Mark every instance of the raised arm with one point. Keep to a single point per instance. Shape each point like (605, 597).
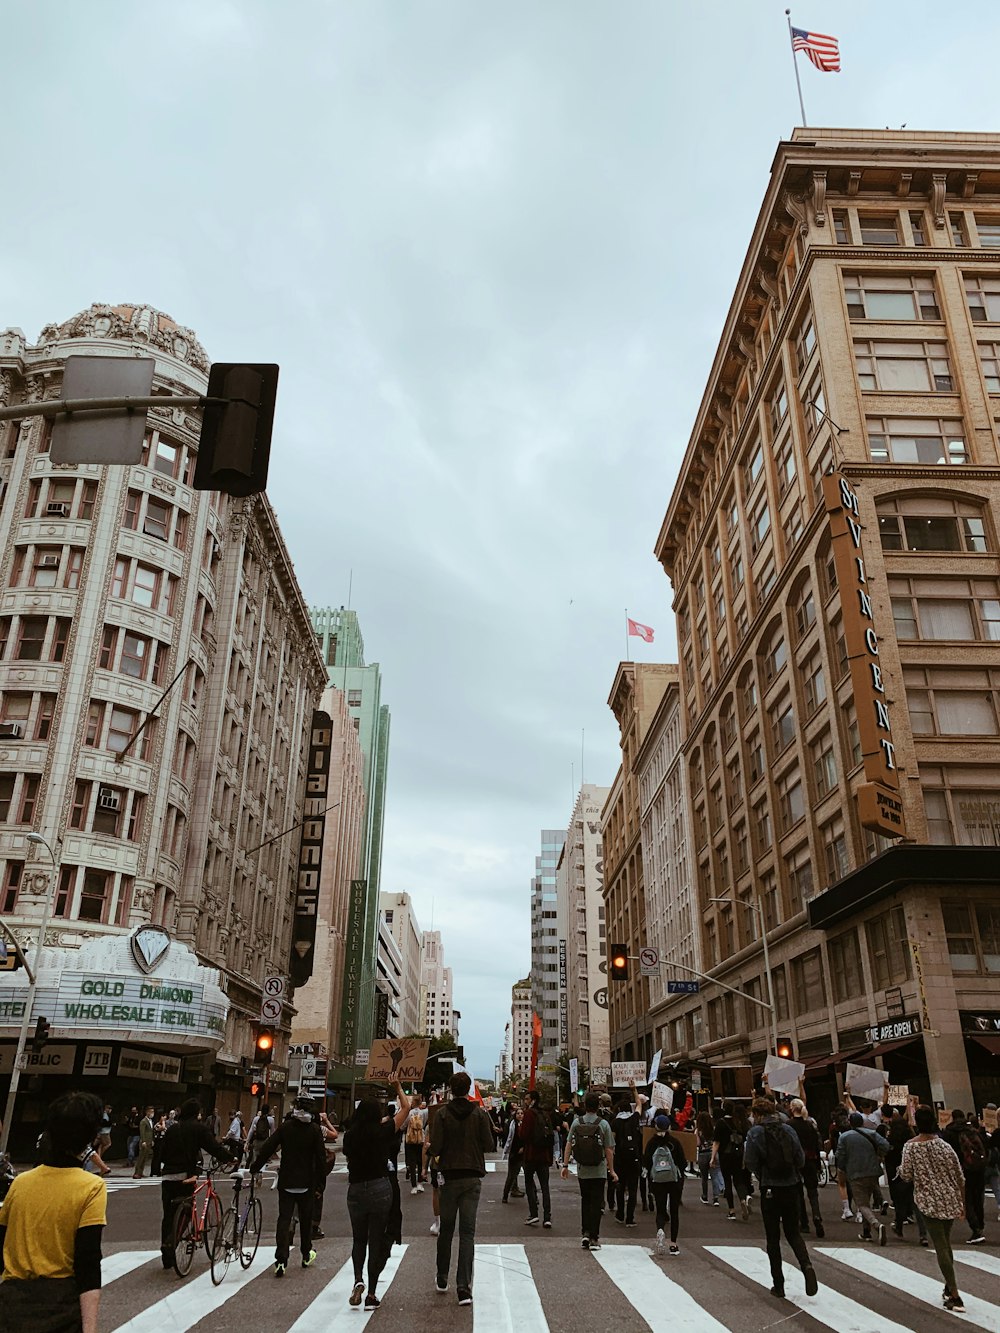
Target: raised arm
(402, 1106)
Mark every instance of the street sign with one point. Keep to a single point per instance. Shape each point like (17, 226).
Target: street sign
(683, 987)
(270, 1010)
(361, 1056)
(649, 962)
(274, 988)
(307, 1069)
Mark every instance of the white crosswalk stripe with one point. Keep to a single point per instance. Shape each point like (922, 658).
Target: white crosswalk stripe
(828, 1307)
(927, 1289)
(186, 1305)
(507, 1300)
(651, 1290)
(330, 1311)
(988, 1263)
(125, 1261)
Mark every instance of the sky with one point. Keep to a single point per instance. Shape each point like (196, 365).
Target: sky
(492, 248)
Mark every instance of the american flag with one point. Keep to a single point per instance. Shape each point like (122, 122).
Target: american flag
(824, 52)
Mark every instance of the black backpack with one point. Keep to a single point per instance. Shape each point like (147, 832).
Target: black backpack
(779, 1152)
(588, 1143)
(974, 1155)
(262, 1130)
(628, 1139)
(541, 1131)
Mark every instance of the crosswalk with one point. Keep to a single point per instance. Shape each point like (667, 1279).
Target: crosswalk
(711, 1288)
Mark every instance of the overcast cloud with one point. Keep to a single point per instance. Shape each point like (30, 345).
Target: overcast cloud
(491, 247)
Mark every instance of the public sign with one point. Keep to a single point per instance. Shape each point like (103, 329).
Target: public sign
(683, 987)
(393, 1058)
(361, 1056)
(649, 962)
(662, 1096)
(654, 1067)
(897, 1094)
(783, 1075)
(271, 1010)
(624, 1072)
(274, 988)
(864, 1081)
(574, 1075)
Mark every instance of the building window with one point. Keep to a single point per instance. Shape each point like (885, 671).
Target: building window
(988, 231)
(983, 296)
(778, 408)
(845, 967)
(956, 223)
(785, 464)
(888, 949)
(973, 933)
(903, 367)
(30, 638)
(824, 765)
(799, 871)
(841, 227)
(953, 531)
(760, 525)
(807, 980)
(879, 228)
(791, 799)
(753, 467)
(886, 298)
(773, 662)
(805, 342)
(916, 440)
(354, 698)
(835, 849)
(805, 610)
(813, 682)
(942, 608)
(13, 872)
(762, 826)
(94, 895)
(917, 229)
(755, 758)
(968, 816)
(946, 701)
(782, 723)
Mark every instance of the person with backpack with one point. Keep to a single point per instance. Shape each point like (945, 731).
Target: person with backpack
(727, 1156)
(972, 1151)
(859, 1156)
(627, 1130)
(460, 1139)
(592, 1145)
(808, 1136)
(413, 1144)
(261, 1129)
(939, 1189)
(664, 1164)
(774, 1154)
(536, 1138)
(840, 1123)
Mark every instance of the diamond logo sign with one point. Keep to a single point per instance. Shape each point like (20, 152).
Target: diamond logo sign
(149, 944)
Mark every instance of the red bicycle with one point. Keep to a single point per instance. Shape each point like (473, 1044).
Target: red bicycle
(197, 1221)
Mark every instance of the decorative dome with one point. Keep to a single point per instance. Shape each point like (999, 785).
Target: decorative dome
(133, 323)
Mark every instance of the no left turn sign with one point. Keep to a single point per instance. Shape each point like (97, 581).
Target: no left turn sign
(649, 962)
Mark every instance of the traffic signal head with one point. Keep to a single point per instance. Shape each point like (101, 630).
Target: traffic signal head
(264, 1049)
(784, 1048)
(256, 1089)
(42, 1028)
(619, 963)
(235, 441)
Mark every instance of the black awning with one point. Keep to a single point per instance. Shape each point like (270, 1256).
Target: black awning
(895, 869)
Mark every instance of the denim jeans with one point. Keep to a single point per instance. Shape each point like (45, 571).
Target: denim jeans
(368, 1203)
(459, 1200)
(710, 1173)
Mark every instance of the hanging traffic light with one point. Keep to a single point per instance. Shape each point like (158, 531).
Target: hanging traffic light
(264, 1048)
(619, 962)
(235, 439)
(784, 1048)
(42, 1029)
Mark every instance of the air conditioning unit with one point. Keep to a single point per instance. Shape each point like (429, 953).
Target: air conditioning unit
(108, 799)
(47, 562)
(58, 509)
(11, 731)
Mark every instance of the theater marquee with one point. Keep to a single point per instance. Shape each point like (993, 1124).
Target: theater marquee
(880, 806)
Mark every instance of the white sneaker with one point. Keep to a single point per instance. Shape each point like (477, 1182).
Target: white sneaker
(846, 1214)
(435, 1226)
(419, 1189)
(660, 1242)
(414, 1190)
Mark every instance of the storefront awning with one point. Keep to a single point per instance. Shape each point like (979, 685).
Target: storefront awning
(887, 1047)
(989, 1040)
(823, 1062)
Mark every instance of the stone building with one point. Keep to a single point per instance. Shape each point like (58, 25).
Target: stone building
(125, 593)
(583, 942)
(840, 668)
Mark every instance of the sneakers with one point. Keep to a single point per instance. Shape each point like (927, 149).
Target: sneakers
(357, 1291)
(441, 1284)
(595, 1244)
(547, 1223)
(631, 1224)
(749, 1203)
(704, 1200)
(584, 1243)
(435, 1226)
(744, 1209)
(279, 1270)
(372, 1302)
(885, 1207)
(881, 1233)
(820, 1233)
(732, 1216)
(532, 1221)
(414, 1190)
(864, 1235)
(846, 1214)
(309, 1259)
(319, 1233)
(675, 1249)
(976, 1240)
(420, 1189)
(660, 1241)
(812, 1286)
(715, 1203)
(954, 1303)
(464, 1296)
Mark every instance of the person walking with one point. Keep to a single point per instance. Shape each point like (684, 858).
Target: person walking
(51, 1223)
(536, 1140)
(330, 1135)
(301, 1172)
(808, 1136)
(144, 1156)
(592, 1145)
(627, 1130)
(859, 1156)
(664, 1164)
(728, 1140)
(413, 1144)
(513, 1151)
(370, 1142)
(460, 1139)
(972, 1151)
(132, 1130)
(705, 1133)
(259, 1131)
(939, 1187)
(774, 1154)
(180, 1152)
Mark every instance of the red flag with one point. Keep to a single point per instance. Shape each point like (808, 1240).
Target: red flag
(536, 1036)
(643, 632)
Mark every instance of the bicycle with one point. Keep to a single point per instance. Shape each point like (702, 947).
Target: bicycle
(197, 1223)
(239, 1229)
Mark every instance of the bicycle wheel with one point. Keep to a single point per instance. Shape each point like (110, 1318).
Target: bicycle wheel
(184, 1239)
(824, 1172)
(223, 1247)
(212, 1224)
(250, 1233)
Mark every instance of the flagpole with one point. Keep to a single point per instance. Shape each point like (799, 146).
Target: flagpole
(625, 658)
(798, 81)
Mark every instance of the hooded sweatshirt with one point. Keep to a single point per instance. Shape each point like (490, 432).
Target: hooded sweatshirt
(628, 1139)
(303, 1156)
(461, 1137)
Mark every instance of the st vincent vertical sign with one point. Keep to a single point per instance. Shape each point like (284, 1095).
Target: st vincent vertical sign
(300, 963)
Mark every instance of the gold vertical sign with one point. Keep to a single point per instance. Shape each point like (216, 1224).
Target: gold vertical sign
(879, 804)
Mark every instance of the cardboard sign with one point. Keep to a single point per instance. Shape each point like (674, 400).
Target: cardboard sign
(392, 1058)
(989, 1119)
(866, 1082)
(663, 1096)
(897, 1094)
(624, 1072)
(783, 1075)
(944, 1118)
(685, 1137)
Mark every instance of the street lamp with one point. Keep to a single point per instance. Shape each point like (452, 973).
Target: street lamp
(22, 1041)
(757, 910)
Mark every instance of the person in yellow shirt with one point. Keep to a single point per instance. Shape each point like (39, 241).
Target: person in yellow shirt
(50, 1229)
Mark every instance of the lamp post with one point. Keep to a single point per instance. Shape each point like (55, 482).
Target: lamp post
(757, 910)
(22, 1041)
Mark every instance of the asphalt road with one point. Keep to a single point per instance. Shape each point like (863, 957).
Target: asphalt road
(528, 1280)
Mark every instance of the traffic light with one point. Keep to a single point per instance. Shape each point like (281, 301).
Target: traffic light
(41, 1036)
(619, 962)
(784, 1048)
(264, 1049)
(256, 1089)
(235, 442)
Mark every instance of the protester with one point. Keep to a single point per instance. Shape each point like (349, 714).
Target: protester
(993, 1168)
(774, 1154)
(627, 1130)
(513, 1151)
(536, 1141)
(728, 1140)
(664, 1163)
(180, 1151)
(859, 1156)
(460, 1138)
(330, 1135)
(939, 1189)
(432, 1174)
(808, 1136)
(705, 1132)
(369, 1141)
(592, 1145)
(301, 1173)
(50, 1229)
(972, 1151)
(897, 1134)
(413, 1144)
